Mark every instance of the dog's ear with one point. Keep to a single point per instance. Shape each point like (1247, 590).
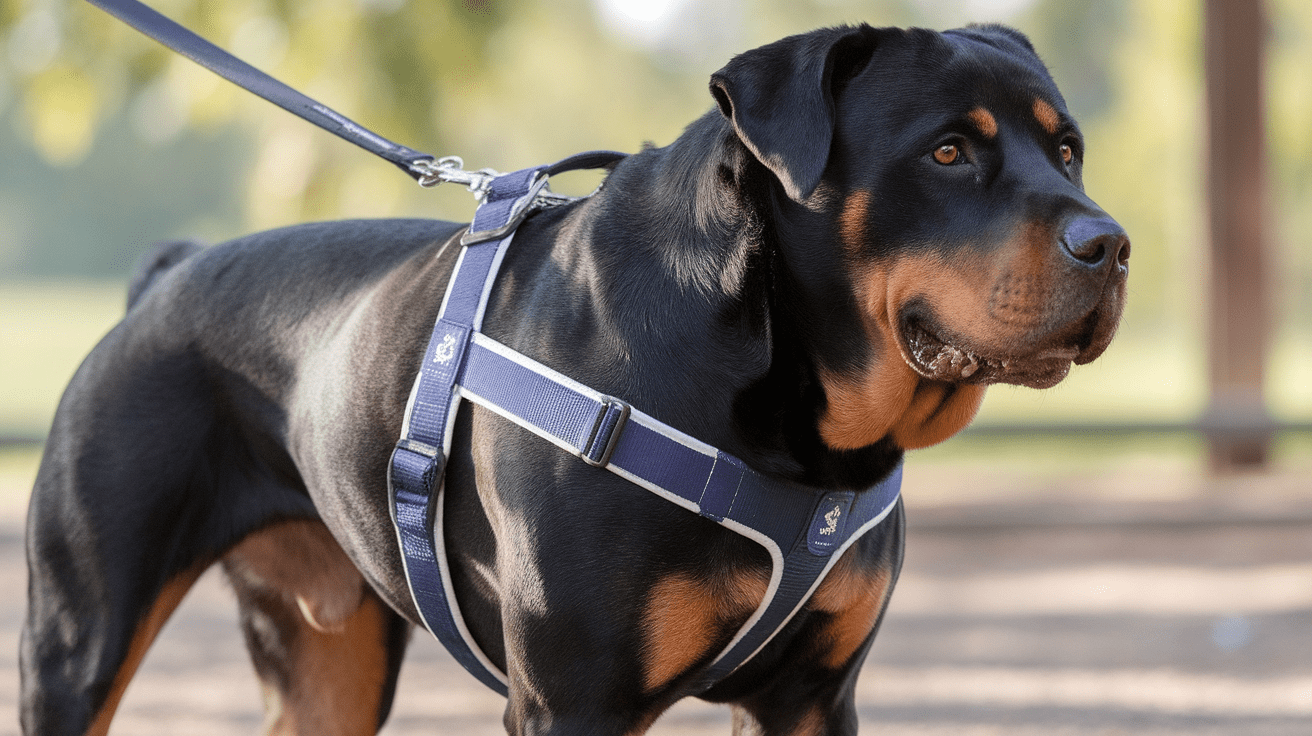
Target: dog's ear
(1007, 40)
(780, 99)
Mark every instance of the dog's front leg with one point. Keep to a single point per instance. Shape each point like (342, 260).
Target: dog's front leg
(823, 657)
(568, 685)
(828, 709)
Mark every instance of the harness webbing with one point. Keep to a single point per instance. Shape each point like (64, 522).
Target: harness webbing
(805, 530)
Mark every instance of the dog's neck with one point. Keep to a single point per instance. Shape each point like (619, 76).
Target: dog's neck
(711, 220)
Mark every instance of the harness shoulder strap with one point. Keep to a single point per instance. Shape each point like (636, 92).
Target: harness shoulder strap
(804, 530)
(415, 474)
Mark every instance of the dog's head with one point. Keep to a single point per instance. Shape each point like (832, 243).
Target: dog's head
(929, 205)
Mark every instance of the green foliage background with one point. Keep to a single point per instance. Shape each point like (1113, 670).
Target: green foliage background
(108, 142)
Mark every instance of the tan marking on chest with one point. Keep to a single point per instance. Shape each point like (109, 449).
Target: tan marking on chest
(686, 614)
(863, 408)
(854, 596)
(984, 120)
(1046, 115)
(937, 411)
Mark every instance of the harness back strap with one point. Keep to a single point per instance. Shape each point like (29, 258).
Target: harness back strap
(805, 530)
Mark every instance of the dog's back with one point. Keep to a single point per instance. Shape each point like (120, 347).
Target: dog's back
(821, 274)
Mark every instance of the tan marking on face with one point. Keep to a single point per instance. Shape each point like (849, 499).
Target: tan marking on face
(852, 221)
(889, 396)
(938, 411)
(147, 629)
(984, 120)
(855, 596)
(1046, 116)
(998, 303)
(301, 559)
(1021, 296)
(685, 614)
(337, 677)
(862, 409)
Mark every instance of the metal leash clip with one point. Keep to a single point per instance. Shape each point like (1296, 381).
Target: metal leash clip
(450, 170)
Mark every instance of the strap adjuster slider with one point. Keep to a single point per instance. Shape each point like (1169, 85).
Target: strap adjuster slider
(605, 432)
(417, 447)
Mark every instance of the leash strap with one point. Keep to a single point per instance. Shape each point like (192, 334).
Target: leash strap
(174, 36)
(805, 530)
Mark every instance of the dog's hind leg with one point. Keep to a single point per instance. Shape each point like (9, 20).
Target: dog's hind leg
(71, 697)
(326, 649)
(112, 535)
(142, 485)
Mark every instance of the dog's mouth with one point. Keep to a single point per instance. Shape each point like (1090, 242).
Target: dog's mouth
(932, 353)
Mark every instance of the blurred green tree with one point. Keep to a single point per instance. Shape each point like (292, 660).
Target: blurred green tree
(109, 141)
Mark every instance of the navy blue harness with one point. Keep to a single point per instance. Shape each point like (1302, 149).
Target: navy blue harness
(805, 530)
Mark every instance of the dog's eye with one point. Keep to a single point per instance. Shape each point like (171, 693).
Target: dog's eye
(1067, 153)
(947, 154)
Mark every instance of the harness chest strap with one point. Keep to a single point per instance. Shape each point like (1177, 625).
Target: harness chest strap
(804, 530)
(460, 362)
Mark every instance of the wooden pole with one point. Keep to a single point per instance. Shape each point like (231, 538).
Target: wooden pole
(1239, 327)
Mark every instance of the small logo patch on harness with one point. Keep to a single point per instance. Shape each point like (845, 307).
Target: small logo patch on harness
(829, 523)
(832, 519)
(446, 350)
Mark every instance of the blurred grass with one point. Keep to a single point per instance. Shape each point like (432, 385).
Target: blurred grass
(46, 329)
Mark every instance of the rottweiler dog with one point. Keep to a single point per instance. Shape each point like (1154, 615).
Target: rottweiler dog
(827, 269)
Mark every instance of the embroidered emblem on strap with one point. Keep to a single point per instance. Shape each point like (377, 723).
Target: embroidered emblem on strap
(832, 519)
(463, 364)
(829, 522)
(446, 350)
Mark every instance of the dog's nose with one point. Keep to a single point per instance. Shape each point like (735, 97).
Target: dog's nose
(1095, 241)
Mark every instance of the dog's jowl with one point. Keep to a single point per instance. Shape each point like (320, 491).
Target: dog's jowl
(868, 228)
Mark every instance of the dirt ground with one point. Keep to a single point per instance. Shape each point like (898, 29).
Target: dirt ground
(1162, 603)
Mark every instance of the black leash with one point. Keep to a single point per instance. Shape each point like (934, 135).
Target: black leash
(421, 166)
(427, 169)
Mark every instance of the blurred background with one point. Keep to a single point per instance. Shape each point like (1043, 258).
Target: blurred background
(1103, 486)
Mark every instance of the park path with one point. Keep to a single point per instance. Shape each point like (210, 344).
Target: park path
(1181, 613)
